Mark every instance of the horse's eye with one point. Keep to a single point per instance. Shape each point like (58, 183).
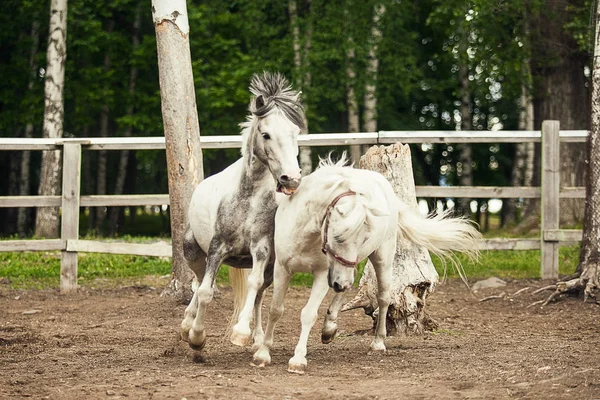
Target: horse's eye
(266, 136)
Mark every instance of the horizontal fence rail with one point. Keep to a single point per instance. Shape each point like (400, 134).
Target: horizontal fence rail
(550, 136)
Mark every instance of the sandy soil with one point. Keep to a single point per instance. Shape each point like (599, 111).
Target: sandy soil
(123, 343)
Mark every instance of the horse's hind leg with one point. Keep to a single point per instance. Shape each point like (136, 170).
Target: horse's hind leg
(258, 336)
(382, 260)
(217, 252)
(196, 261)
(330, 325)
(261, 253)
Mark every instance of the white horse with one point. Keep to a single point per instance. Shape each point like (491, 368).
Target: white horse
(338, 217)
(232, 213)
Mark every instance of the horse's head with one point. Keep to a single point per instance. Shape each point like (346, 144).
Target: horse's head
(277, 119)
(346, 229)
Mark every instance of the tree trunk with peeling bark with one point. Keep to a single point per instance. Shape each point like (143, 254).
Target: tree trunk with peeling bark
(587, 276)
(351, 103)
(182, 131)
(303, 76)
(414, 276)
(47, 221)
(370, 98)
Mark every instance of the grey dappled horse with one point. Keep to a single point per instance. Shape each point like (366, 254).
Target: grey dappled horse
(232, 213)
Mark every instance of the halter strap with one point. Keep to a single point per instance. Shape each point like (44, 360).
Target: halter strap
(326, 249)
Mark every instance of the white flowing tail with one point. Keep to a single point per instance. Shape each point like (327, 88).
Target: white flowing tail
(441, 234)
(238, 278)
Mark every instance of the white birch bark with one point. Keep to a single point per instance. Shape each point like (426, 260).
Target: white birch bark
(182, 131)
(351, 102)
(414, 276)
(370, 98)
(303, 77)
(47, 220)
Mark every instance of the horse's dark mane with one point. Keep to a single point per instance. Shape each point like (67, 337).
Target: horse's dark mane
(276, 92)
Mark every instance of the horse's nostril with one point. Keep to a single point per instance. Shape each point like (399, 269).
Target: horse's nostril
(337, 287)
(284, 178)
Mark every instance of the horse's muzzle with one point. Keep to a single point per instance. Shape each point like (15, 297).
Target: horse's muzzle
(288, 184)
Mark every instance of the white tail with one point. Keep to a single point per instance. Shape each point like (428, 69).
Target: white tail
(238, 279)
(441, 234)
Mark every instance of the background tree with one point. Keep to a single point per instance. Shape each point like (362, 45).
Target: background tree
(182, 132)
(47, 223)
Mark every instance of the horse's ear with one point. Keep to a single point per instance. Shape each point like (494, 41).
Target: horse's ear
(259, 102)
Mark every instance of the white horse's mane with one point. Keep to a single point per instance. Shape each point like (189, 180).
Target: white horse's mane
(275, 93)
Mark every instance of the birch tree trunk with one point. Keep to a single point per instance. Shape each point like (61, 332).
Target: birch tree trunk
(522, 172)
(182, 131)
(303, 77)
(124, 155)
(370, 99)
(465, 170)
(587, 278)
(414, 276)
(352, 104)
(47, 221)
(23, 214)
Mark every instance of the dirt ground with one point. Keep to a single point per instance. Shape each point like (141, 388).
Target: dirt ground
(123, 343)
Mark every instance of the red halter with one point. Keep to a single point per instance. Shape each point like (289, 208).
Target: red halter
(326, 249)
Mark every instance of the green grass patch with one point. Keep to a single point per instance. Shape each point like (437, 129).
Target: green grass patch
(38, 270)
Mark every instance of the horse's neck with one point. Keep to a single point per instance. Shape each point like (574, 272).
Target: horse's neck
(256, 176)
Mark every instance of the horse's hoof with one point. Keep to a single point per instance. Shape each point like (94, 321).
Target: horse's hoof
(196, 339)
(297, 366)
(327, 337)
(377, 347)
(262, 357)
(240, 339)
(297, 369)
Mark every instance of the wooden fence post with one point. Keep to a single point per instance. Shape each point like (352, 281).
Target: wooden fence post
(70, 213)
(550, 197)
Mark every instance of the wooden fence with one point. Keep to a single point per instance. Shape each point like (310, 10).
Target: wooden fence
(70, 202)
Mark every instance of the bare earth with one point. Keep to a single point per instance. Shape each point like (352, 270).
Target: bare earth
(124, 343)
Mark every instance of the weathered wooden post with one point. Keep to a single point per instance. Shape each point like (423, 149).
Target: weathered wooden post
(414, 275)
(182, 131)
(550, 197)
(71, 182)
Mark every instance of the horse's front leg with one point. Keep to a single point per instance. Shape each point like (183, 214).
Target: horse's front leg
(196, 261)
(204, 294)
(261, 253)
(297, 364)
(281, 281)
(330, 325)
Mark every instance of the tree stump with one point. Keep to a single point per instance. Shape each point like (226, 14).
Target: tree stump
(414, 276)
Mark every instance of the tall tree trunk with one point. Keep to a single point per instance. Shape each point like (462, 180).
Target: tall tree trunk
(351, 102)
(370, 99)
(124, 156)
(523, 165)
(588, 271)
(465, 170)
(47, 222)
(103, 154)
(22, 217)
(561, 93)
(303, 76)
(182, 131)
